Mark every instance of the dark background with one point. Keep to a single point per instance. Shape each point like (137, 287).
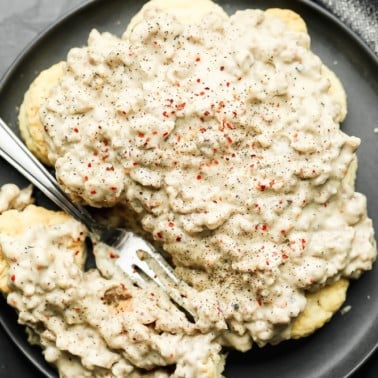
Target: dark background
(22, 20)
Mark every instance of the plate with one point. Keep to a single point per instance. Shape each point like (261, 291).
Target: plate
(345, 343)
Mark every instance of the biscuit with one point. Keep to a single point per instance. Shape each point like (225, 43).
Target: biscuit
(322, 304)
(14, 222)
(187, 12)
(30, 124)
(296, 23)
(320, 307)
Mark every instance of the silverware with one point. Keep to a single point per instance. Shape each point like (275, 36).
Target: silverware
(130, 247)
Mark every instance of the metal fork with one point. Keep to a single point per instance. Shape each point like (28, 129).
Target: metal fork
(125, 243)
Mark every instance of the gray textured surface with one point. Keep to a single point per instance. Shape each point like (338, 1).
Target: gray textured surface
(360, 15)
(22, 20)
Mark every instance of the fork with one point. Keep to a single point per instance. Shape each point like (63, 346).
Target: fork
(125, 243)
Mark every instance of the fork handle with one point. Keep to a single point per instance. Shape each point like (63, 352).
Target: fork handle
(16, 153)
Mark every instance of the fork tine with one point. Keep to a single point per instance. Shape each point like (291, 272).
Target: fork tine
(163, 265)
(132, 264)
(135, 243)
(124, 263)
(146, 269)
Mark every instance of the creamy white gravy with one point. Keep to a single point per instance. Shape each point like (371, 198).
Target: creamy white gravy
(222, 140)
(93, 325)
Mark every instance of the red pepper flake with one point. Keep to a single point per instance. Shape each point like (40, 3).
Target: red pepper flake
(76, 130)
(113, 188)
(159, 235)
(77, 252)
(311, 280)
(229, 139)
(13, 259)
(156, 43)
(147, 141)
(95, 153)
(178, 239)
(38, 267)
(203, 129)
(198, 80)
(206, 113)
(264, 227)
(259, 301)
(141, 135)
(113, 255)
(171, 224)
(239, 78)
(13, 277)
(202, 93)
(199, 177)
(89, 165)
(234, 113)
(303, 243)
(261, 187)
(165, 114)
(135, 163)
(165, 135)
(221, 68)
(285, 256)
(198, 59)
(178, 138)
(283, 232)
(77, 309)
(181, 106)
(93, 191)
(207, 88)
(154, 132)
(228, 84)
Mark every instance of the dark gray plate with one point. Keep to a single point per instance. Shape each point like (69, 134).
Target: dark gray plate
(342, 345)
